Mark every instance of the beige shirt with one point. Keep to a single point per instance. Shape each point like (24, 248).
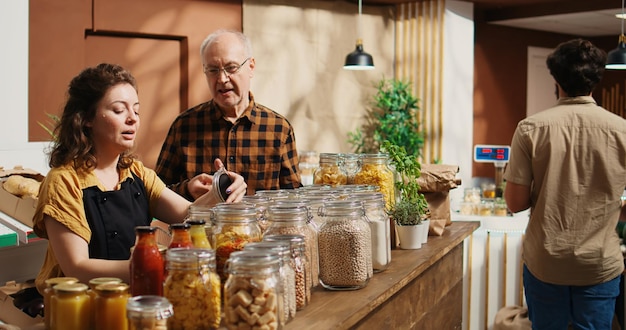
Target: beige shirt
(573, 156)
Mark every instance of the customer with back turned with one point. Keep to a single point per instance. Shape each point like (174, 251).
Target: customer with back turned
(252, 139)
(96, 193)
(568, 165)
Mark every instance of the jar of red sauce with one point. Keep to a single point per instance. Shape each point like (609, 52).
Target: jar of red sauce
(181, 236)
(146, 264)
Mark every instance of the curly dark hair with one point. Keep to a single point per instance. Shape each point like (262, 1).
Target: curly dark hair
(74, 140)
(577, 66)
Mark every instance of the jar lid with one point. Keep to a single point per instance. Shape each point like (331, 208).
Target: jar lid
(190, 255)
(149, 306)
(221, 182)
(145, 229)
(281, 247)
(182, 225)
(71, 287)
(234, 209)
(58, 280)
(103, 280)
(196, 222)
(112, 288)
(259, 259)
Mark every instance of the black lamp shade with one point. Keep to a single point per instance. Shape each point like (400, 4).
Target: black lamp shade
(359, 60)
(616, 59)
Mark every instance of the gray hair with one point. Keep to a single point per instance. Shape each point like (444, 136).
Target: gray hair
(245, 41)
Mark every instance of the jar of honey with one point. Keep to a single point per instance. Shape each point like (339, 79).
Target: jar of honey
(71, 306)
(109, 306)
(47, 294)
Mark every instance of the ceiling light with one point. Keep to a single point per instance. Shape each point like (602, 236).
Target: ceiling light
(616, 59)
(358, 59)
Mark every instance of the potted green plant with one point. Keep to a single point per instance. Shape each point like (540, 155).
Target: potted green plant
(411, 207)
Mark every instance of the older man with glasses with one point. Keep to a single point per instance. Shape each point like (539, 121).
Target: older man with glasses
(250, 138)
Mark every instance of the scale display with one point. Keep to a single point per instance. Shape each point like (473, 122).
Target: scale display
(484, 153)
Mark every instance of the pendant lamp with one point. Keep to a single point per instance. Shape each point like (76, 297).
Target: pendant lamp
(358, 59)
(616, 59)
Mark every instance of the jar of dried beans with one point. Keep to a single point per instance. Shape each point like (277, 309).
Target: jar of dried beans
(375, 170)
(235, 225)
(193, 288)
(296, 220)
(330, 172)
(252, 291)
(287, 275)
(300, 265)
(345, 246)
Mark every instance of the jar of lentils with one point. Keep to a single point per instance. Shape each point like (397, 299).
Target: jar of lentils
(345, 246)
(295, 220)
(252, 291)
(148, 312)
(287, 274)
(235, 226)
(375, 170)
(330, 171)
(193, 288)
(300, 265)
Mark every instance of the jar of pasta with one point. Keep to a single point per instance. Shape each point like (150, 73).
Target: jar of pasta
(295, 220)
(375, 171)
(109, 306)
(345, 246)
(148, 312)
(300, 265)
(287, 274)
(193, 288)
(330, 171)
(235, 226)
(252, 291)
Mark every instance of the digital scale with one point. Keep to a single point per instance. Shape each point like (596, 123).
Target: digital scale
(496, 154)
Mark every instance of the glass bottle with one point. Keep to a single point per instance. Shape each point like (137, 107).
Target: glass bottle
(380, 226)
(375, 170)
(198, 234)
(235, 226)
(181, 237)
(330, 171)
(146, 264)
(148, 312)
(47, 294)
(253, 280)
(71, 306)
(281, 249)
(110, 306)
(345, 246)
(300, 265)
(295, 220)
(201, 213)
(193, 288)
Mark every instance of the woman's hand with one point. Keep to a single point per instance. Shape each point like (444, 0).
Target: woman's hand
(202, 185)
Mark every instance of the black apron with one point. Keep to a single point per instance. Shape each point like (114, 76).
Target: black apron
(112, 217)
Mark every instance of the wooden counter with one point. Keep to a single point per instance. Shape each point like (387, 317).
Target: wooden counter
(421, 289)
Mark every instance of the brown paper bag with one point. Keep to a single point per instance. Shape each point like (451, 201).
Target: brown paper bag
(435, 182)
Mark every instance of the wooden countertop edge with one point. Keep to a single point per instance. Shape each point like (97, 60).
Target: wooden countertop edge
(343, 309)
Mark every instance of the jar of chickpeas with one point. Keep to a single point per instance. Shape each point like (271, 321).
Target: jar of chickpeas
(252, 291)
(330, 172)
(148, 312)
(193, 288)
(375, 171)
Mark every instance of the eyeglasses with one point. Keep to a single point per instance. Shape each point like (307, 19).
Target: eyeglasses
(228, 70)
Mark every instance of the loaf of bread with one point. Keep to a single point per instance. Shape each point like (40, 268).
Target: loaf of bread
(22, 186)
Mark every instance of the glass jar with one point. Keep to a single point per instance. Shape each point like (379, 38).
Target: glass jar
(330, 171)
(300, 265)
(201, 213)
(274, 194)
(261, 203)
(345, 246)
(235, 226)
(109, 306)
(287, 274)
(351, 164)
(193, 288)
(181, 238)
(198, 234)
(472, 195)
(71, 306)
(378, 219)
(146, 264)
(48, 292)
(148, 312)
(499, 207)
(295, 220)
(252, 291)
(308, 161)
(375, 170)
(485, 208)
